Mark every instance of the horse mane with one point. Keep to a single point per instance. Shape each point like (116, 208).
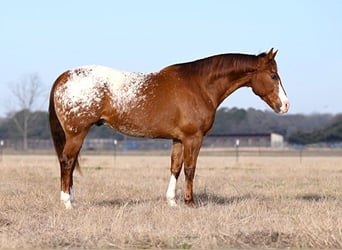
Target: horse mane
(218, 65)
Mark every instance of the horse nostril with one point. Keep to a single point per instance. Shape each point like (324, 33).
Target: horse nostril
(287, 105)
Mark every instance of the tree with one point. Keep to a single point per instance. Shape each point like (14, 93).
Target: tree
(26, 92)
(331, 133)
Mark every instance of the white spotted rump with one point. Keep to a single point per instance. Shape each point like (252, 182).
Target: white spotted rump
(87, 86)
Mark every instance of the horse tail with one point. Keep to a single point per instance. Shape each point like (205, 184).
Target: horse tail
(57, 131)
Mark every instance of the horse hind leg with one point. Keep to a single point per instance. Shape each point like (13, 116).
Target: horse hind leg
(176, 166)
(68, 163)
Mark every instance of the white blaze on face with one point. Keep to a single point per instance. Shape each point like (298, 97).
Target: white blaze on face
(171, 192)
(284, 100)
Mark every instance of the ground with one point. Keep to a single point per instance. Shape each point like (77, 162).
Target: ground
(259, 201)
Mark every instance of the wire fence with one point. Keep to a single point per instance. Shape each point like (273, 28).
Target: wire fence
(163, 147)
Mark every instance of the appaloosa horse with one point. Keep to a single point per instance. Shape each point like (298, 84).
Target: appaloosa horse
(179, 103)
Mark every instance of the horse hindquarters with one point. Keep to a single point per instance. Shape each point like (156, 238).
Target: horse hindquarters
(59, 141)
(67, 148)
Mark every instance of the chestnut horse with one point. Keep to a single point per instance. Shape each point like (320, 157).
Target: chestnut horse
(179, 103)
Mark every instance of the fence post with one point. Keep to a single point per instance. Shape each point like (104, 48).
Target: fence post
(300, 149)
(2, 143)
(115, 142)
(237, 144)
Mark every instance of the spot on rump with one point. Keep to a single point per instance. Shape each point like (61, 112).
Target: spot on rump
(87, 86)
(126, 93)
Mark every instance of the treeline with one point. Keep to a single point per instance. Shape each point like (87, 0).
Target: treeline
(297, 128)
(331, 133)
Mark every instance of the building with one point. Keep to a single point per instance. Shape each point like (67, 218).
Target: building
(244, 140)
(210, 141)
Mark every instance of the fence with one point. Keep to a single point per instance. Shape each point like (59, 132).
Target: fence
(159, 146)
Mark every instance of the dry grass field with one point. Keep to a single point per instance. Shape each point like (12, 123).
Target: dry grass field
(259, 202)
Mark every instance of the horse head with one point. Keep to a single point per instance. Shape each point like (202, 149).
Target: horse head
(266, 83)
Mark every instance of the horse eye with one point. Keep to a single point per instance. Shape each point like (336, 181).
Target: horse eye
(274, 77)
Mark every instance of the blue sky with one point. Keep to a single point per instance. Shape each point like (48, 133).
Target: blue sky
(48, 37)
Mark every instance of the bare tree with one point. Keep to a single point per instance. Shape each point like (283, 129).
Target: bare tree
(26, 92)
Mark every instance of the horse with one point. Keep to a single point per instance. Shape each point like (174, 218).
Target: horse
(179, 103)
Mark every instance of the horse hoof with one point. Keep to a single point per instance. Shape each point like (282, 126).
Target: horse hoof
(191, 204)
(172, 202)
(68, 200)
(68, 205)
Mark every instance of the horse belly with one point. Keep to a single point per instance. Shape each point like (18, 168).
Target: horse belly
(132, 123)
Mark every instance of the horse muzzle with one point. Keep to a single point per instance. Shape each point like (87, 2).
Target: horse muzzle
(282, 107)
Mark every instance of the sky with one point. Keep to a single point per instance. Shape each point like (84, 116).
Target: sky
(48, 37)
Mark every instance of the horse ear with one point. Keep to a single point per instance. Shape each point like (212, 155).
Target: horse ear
(271, 55)
(268, 57)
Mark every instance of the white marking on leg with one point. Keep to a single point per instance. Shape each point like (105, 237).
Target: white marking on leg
(65, 198)
(171, 192)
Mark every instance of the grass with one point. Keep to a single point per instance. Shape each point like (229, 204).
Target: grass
(268, 202)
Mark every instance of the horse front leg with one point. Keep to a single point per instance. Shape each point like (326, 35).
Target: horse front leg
(192, 147)
(176, 166)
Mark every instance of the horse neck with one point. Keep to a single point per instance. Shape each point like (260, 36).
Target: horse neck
(221, 75)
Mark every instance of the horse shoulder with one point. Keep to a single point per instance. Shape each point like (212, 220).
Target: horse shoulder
(194, 110)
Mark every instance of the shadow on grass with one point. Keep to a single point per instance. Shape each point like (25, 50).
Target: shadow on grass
(201, 199)
(315, 197)
(123, 202)
(204, 199)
